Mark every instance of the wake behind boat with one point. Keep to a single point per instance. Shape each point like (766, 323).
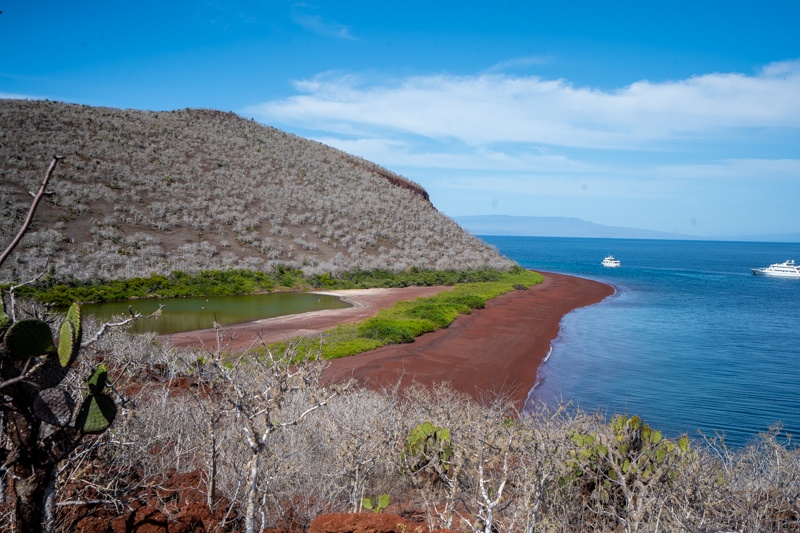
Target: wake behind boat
(611, 262)
(787, 269)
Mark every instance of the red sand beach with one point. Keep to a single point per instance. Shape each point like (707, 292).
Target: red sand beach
(492, 350)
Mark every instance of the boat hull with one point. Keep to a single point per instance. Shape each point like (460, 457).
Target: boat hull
(610, 262)
(787, 269)
(773, 274)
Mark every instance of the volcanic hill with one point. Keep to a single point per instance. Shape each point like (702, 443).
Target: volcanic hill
(142, 192)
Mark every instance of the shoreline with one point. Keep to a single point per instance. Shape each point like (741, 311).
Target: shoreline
(494, 350)
(239, 337)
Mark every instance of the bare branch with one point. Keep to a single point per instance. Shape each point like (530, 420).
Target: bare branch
(31, 211)
(106, 325)
(24, 375)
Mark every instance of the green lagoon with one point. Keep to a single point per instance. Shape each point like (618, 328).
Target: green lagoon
(189, 314)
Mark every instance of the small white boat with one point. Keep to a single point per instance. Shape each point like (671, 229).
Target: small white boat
(787, 269)
(611, 262)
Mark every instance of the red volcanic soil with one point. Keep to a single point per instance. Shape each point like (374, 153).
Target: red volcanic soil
(493, 350)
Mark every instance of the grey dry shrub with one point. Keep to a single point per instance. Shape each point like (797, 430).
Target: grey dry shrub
(150, 192)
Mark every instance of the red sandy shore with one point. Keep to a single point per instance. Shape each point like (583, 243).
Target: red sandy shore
(492, 350)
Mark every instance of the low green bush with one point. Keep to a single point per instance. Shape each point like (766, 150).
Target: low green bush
(350, 347)
(280, 277)
(441, 315)
(463, 301)
(394, 330)
(409, 319)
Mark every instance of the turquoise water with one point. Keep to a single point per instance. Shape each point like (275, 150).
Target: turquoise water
(690, 341)
(190, 314)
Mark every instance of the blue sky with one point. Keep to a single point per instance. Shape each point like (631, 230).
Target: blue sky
(672, 116)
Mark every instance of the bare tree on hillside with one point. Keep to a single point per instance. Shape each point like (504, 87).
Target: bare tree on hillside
(263, 394)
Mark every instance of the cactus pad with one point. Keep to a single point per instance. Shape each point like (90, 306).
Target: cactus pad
(54, 406)
(97, 383)
(97, 413)
(427, 442)
(69, 341)
(50, 374)
(29, 338)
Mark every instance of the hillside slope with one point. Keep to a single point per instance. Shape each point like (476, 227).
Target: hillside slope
(140, 192)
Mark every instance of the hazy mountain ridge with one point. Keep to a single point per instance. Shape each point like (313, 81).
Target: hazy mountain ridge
(574, 227)
(140, 192)
(554, 227)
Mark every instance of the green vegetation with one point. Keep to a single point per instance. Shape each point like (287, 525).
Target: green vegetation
(411, 277)
(240, 281)
(409, 319)
(616, 471)
(375, 503)
(206, 283)
(427, 446)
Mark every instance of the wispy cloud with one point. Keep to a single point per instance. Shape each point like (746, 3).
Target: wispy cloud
(491, 108)
(402, 153)
(651, 154)
(519, 63)
(302, 14)
(14, 96)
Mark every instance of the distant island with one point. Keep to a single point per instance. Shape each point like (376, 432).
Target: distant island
(532, 226)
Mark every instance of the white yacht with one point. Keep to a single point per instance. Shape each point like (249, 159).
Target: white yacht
(611, 262)
(787, 269)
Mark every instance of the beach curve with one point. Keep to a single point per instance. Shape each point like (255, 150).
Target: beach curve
(493, 350)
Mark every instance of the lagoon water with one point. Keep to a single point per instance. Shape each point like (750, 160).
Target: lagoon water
(189, 314)
(690, 341)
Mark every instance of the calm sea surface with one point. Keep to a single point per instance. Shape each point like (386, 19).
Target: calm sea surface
(691, 340)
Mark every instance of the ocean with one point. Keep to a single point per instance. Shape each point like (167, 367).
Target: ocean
(691, 341)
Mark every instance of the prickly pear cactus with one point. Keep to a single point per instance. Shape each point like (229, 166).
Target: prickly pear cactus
(98, 409)
(633, 454)
(28, 346)
(29, 338)
(96, 414)
(376, 504)
(69, 340)
(427, 444)
(41, 425)
(54, 406)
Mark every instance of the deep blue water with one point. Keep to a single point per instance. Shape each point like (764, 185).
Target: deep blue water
(690, 341)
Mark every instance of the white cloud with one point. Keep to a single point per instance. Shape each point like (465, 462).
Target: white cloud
(493, 108)
(14, 96)
(718, 147)
(394, 152)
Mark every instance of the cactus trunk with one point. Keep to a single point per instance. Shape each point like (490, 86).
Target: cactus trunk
(33, 474)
